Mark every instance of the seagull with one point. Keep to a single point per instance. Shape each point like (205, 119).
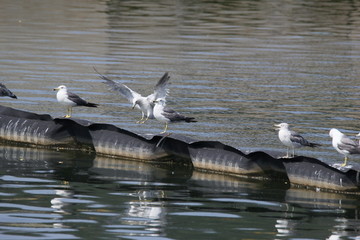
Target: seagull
(71, 100)
(292, 139)
(357, 136)
(166, 115)
(145, 104)
(5, 92)
(343, 144)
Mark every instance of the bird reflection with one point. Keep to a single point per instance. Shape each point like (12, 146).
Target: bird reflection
(58, 203)
(345, 228)
(148, 211)
(285, 227)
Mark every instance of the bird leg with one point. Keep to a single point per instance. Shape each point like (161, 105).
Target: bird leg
(142, 117)
(166, 127)
(68, 115)
(147, 118)
(345, 160)
(165, 136)
(287, 153)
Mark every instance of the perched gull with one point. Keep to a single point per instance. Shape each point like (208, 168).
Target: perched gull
(357, 136)
(292, 139)
(343, 144)
(166, 115)
(145, 104)
(4, 92)
(70, 99)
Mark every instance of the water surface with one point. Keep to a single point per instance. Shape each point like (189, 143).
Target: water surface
(238, 67)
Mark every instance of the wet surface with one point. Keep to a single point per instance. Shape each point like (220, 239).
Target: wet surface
(238, 67)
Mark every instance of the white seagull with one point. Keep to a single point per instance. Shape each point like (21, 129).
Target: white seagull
(166, 115)
(5, 92)
(292, 139)
(145, 104)
(357, 136)
(343, 144)
(71, 100)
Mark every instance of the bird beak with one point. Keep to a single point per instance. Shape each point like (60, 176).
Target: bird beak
(55, 89)
(133, 106)
(277, 126)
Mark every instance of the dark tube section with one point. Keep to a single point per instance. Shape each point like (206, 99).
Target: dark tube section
(29, 129)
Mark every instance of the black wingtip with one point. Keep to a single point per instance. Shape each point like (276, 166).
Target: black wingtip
(314, 145)
(96, 70)
(163, 79)
(89, 104)
(190, 119)
(102, 76)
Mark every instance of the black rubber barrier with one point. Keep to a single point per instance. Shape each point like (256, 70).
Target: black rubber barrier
(30, 129)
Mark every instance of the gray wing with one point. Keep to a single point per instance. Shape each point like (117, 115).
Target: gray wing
(349, 145)
(76, 99)
(297, 138)
(160, 90)
(172, 115)
(121, 88)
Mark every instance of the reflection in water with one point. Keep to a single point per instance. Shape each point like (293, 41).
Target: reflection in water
(344, 227)
(320, 200)
(58, 203)
(285, 227)
(149, 212)
(127, 198)
(237, 66)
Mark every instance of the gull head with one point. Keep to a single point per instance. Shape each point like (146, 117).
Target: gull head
(357, 136)
(61, 87)
(139, 102)
(281, 126)
(334, 133)
(160, 101)
(135, 103)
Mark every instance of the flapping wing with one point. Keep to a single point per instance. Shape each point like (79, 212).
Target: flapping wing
(160, 90)
(121, 88)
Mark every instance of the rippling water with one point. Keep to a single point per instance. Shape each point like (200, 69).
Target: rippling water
(238, 67)
(57, 195)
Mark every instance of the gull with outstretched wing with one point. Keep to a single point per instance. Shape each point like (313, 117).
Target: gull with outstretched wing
(145, 104)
